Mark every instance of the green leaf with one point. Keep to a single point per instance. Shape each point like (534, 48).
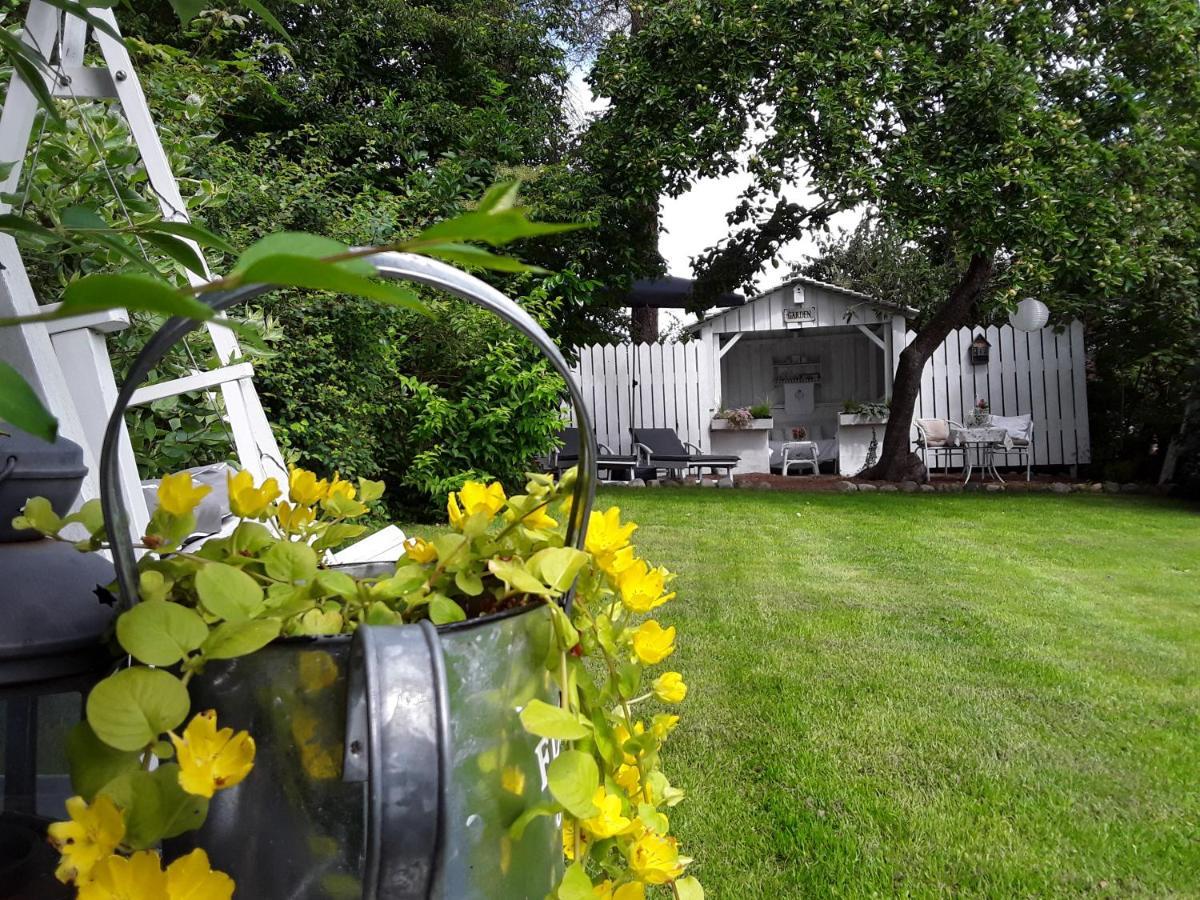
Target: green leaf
(30, 66)
(228, 592)
(575, 884)
(159, 633)
(189, 231)
(517, 829)
(93, 763)
(450, 553)
(17, 225)
(90, 516)
(180, 251)
(134, 292)
(131, 708)
(250, 537)
(22, 408)
(443, 610)
(155, 805)
(558, 566)
(540, 718)
(265, 14)
(38, 514)
(516, 577)
(300, 244)
(688, 889)
(188, 9)
(500, 196)
(573, 778)
(330, 581)
(494, 227)
(153, 587)
(318, 275)
(232, 639)
(84, 218)
(567, 633)
(291, 562)
(468, 582)
(478, 258)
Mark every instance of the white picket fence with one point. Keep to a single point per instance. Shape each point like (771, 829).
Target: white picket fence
(1040, 373)
(671, 386)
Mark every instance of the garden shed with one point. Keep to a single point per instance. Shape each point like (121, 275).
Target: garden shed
(807, 349)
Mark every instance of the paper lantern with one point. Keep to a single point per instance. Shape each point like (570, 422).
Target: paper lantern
(1030, 315)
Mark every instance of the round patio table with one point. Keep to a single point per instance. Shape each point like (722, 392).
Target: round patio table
(982, 442)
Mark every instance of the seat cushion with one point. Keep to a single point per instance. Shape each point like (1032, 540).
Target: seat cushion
(937, 431)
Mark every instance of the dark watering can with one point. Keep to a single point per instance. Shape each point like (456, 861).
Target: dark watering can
(390, 763)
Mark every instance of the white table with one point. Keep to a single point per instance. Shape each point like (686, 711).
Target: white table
(982, 441)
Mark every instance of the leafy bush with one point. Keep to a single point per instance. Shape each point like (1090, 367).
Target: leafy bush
(761, 411)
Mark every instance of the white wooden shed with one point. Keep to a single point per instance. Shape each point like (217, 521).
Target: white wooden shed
(805, 348)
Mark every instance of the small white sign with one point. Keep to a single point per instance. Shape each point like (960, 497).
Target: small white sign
(799, 316)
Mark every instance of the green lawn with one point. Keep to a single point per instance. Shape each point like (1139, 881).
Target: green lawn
(958, 695)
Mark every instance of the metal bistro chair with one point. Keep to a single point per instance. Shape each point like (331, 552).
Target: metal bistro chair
(1020, 440)
(933, 437)
(802, 454)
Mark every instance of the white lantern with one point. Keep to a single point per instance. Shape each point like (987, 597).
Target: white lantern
(1030, 315)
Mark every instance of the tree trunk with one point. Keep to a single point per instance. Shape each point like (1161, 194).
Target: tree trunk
(643, 325)
(897, 462)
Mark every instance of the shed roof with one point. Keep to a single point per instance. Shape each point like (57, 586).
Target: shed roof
(895, 308)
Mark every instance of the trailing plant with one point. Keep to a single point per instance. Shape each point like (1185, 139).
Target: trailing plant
(873, 409)
(738, 418)
(236, 594)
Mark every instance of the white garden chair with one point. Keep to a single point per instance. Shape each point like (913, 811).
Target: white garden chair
(803, 454)
(1020, 440)
(933, 438)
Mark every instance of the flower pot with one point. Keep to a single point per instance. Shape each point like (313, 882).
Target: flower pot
(389, 763)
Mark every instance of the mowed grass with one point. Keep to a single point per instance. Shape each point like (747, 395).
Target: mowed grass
(960, 695)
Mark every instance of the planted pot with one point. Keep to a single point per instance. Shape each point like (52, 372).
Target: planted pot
(389, 763)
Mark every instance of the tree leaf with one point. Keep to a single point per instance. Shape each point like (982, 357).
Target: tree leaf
(131, 708)
(540, 718)
(93, 763)
(160, 633)
(300, 244)
(232, 639)
(18, 225)
(265, 14)
(135, 292)
(180, 251)
(496, 228)
(189, 231)
(500, 196)
(477, 257)
(228, 592)
(20, 406)
(573, 778)
(30, 66)
(318, 275)
(188, 9)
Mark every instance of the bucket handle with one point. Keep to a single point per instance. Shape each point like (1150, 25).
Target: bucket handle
(390, 265)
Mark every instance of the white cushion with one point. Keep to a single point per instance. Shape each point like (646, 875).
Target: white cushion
(937, 431)
(1018, 427)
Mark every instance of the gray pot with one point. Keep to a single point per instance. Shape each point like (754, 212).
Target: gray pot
(32, 467)
(391, 764)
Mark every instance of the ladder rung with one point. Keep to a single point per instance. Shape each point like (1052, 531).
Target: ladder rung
(188, 383)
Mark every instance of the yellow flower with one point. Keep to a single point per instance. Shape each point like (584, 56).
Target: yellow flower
(91, 834)
(246, 500)
(632, 890)
(340, 487)
(629, 778)
(178, 496)
(606, 536)
(210, 760)
(609, 820)
(652, 643)
(539, 520)
(512, 779)
(473, 498)
(192, 878)
(642, 588)
(662, 725)
(339, 498)
(655, 858)
(304, 488)
(294, 518)
(420, 550)
(139, 877)
(669, 687)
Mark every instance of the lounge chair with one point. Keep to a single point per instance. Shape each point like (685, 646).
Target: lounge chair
(567, 456)
(660, 448)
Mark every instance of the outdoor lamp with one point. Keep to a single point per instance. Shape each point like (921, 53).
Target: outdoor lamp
(1030, 315)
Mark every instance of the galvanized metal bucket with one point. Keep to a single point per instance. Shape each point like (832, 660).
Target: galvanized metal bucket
(391, 763)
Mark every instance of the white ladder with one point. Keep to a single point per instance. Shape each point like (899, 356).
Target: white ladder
(67, 361)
